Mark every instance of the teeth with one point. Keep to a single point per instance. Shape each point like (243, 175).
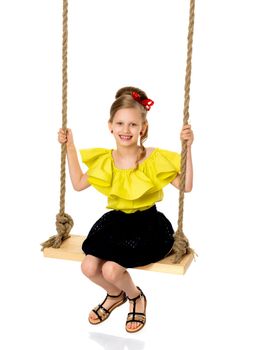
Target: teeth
(125, 137)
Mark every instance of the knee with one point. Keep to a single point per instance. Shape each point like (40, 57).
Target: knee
(112, 271)
(89, 267)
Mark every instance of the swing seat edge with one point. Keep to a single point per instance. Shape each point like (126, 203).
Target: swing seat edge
(70, 249)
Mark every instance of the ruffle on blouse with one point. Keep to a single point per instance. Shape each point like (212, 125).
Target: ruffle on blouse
(100, 168)
(154, 173)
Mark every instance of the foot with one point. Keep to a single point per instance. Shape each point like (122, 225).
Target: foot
(101, 312)
(137, 312)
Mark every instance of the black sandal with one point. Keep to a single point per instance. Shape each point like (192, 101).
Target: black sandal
(102, 313)
(134, 316)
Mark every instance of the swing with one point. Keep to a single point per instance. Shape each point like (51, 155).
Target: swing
(70, 245)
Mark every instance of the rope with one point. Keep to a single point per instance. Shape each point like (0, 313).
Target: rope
(181, 244)
(64, 221)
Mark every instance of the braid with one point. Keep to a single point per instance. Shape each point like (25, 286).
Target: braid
(142, 150)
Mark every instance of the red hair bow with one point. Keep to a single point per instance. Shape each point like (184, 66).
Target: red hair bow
(147, 103)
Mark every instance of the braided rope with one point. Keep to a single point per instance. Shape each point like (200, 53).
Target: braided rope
(64, 221)
(181, 244)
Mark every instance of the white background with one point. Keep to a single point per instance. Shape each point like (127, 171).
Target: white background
(218, 304)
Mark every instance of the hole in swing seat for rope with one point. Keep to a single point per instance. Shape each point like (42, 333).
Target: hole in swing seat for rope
(71, 250)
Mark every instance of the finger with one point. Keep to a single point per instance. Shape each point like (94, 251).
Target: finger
(62, 137)
(187, 137)
(186, 132)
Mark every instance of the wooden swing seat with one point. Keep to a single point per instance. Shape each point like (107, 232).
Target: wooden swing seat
(71, 250)
(71, 247)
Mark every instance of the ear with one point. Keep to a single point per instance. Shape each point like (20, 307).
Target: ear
(110, 126)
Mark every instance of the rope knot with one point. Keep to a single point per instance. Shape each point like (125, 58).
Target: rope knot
(181, 246)
(64, 224)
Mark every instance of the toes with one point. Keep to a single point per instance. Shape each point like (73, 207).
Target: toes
(133, 325)
(92, 316)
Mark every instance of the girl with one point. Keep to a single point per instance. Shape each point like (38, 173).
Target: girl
(133, 233)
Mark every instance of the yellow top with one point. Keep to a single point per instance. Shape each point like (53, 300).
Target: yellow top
(130, 190)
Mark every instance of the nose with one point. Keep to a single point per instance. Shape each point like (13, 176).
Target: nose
(126, 128)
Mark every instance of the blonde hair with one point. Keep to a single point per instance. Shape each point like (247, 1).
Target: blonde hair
(124, 99)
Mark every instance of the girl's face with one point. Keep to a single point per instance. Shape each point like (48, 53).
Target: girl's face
(126, 126)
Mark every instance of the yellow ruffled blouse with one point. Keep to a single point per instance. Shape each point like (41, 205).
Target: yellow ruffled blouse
(130, 190)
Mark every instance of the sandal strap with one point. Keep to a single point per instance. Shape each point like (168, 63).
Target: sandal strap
(136, 317)
(115, 296)
(99, 308)
(138, 296)
(139, 321)
(135, 299)
(102, 313)
(97, 314)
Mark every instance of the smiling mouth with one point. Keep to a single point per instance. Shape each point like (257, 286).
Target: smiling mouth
(125, 137)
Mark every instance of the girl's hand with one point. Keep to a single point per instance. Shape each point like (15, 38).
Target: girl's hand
(65, 136)
(187, 134)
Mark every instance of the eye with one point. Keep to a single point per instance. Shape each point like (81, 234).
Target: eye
(119, 123)
(133, 124)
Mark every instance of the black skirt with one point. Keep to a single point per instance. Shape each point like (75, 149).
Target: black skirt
(130, 240)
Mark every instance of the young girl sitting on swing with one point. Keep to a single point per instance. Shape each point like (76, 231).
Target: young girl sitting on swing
(133, 233)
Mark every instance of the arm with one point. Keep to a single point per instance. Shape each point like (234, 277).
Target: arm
(187, 135)
(78, 179)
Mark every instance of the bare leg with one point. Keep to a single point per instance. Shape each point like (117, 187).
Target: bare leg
(92, 268)
(118, 276)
